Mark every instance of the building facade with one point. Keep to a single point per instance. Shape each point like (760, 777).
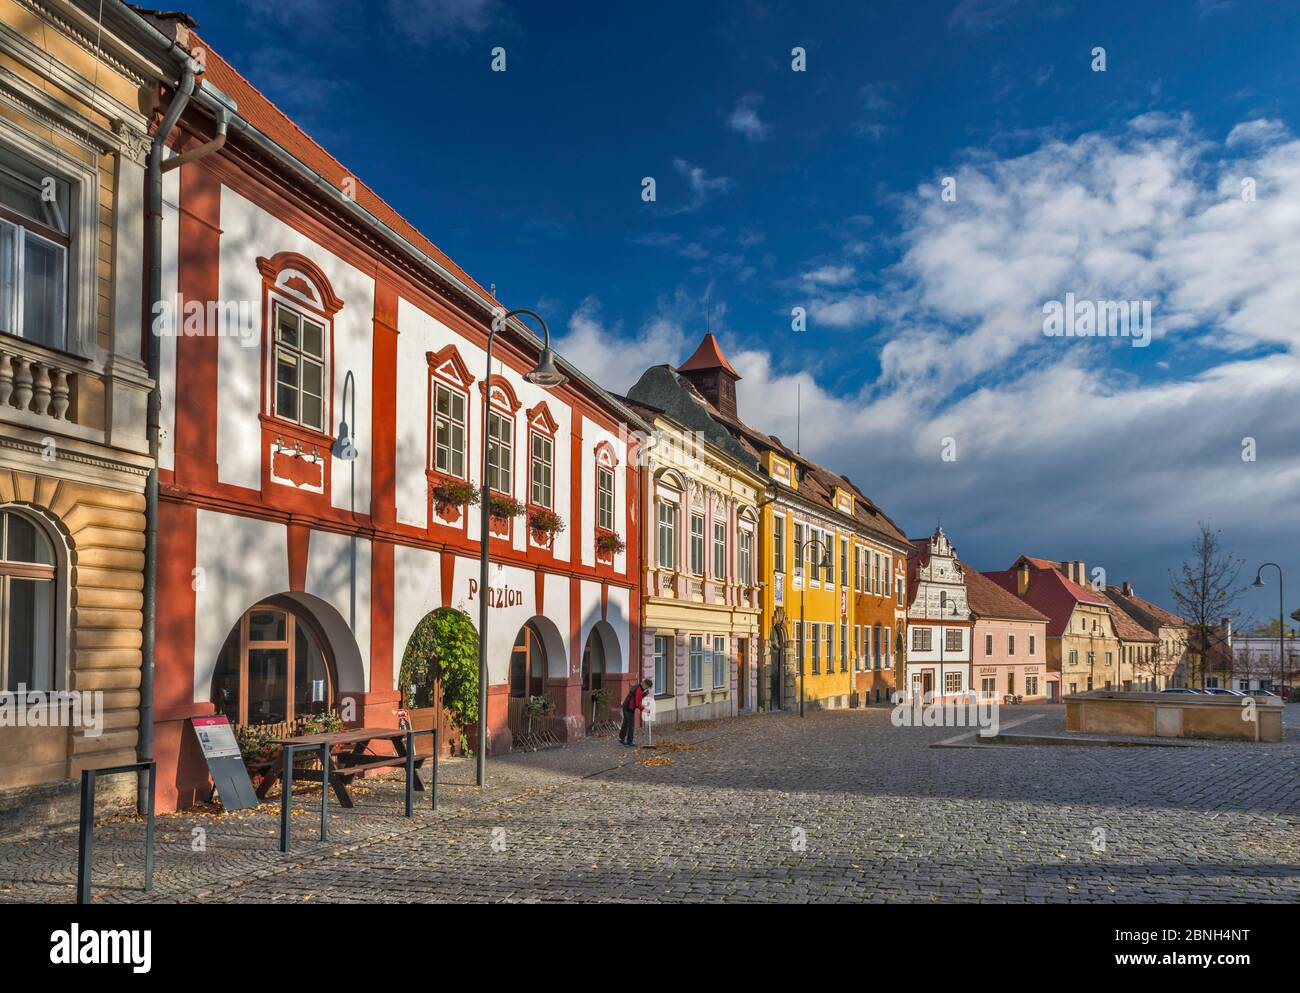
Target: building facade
(1159, 665)
(1009, 650)
(1259, 664)
(324, 428)
(700, 552)
(939, 624)
(879, 567)
(74, 453)
(1082, 646)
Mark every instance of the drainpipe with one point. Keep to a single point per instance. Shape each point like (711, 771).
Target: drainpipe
(153, 243)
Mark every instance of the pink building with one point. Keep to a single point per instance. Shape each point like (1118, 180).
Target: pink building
(1009, 648)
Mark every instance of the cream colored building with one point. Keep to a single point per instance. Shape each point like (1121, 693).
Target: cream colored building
(73, 394)
(700, 559)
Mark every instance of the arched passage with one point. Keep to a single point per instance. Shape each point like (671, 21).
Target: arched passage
(288, 656)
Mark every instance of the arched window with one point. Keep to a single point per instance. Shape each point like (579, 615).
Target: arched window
(271, 669)
(28, 595)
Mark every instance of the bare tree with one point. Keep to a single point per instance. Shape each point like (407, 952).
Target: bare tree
(1205, 589)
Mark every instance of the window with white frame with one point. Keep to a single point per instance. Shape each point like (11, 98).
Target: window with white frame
(889, 646)
(664, 663)
(1011, 644)
(1031, 686)
(604, 498)
(542, 470)
(696, 665)
(952, 682)
(816, 648)
(747, 558)
(988, 644)
(844, 648)
(697, 544)
(844, 561)
(501, 452)
(28, 598)
(778, 542)
(449, 431)
(35, 237)
(922, 639)
(719, 550)
(1031, 644)
(952, 640)
(667, 535)
(828, 632)
(299, 364)
(721, 664)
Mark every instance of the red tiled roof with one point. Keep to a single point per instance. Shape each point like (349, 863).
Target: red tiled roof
(1050, 593)
(1127, 628)
(988, 599)
(707, 356)
(260, 112)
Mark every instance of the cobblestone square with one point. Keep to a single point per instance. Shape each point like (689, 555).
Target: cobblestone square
(838, 806)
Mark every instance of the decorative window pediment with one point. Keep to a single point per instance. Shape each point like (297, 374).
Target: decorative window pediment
(503, 394)
(540, 419)
(605, 456)
(447, 364)
(299, 278)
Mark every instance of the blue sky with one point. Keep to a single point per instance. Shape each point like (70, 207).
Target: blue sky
(822, 190)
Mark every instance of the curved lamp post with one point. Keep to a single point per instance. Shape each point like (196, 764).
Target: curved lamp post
(1281, 616)
(547, 376)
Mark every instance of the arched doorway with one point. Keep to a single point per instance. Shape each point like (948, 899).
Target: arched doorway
(537, 685)
(274, 668)
(602, 666)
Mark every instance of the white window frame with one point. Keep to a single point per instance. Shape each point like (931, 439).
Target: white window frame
(440, 388)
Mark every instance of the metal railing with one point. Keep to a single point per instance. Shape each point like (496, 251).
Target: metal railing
(286, 783)
(86, 828)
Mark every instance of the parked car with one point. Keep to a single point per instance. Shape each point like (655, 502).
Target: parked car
(1182, 689)
(1262, 693)
(1222, 691)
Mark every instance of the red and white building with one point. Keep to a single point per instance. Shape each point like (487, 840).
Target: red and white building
(300, 277)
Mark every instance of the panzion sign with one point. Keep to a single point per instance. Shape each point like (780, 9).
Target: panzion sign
(499, 596)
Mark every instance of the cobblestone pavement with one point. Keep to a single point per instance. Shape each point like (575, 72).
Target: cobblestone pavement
(839, 806)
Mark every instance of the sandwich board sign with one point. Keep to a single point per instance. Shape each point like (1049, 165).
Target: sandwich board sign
(225, 762)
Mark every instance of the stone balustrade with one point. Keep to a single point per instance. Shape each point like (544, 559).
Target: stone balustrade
(34, 380)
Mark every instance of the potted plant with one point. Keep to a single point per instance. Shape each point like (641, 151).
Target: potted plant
(444, 646)
(537, 707)
(608, 544)
(450, 495)
(544, 525)
(501, 509)
(599, 703)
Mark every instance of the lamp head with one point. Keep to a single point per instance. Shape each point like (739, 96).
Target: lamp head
(1259, 580)
(546, 375)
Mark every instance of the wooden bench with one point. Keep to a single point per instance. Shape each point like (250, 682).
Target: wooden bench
(345, 765)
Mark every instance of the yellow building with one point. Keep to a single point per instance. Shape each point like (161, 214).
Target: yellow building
(829, 563)
(699, 584)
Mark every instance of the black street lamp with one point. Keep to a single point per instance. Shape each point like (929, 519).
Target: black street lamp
(1281, 616)
(548, 377)
(824, 564)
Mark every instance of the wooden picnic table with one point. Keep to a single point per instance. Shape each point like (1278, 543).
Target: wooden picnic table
(350, 756)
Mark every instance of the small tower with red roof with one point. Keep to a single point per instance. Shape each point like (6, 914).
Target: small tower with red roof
(709, 372)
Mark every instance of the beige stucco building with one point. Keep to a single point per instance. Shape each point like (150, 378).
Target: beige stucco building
(700, 583)
(74, 99)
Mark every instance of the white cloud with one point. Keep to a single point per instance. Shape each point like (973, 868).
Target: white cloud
(744, 118)
(980, 15)
(446, 21)
(1066, 448)
(702, 185)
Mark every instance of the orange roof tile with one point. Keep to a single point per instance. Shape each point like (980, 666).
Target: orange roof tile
(708, 356)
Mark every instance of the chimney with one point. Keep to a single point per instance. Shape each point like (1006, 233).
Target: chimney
(1127, 588)
(1225, 625)
(1022, 579)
